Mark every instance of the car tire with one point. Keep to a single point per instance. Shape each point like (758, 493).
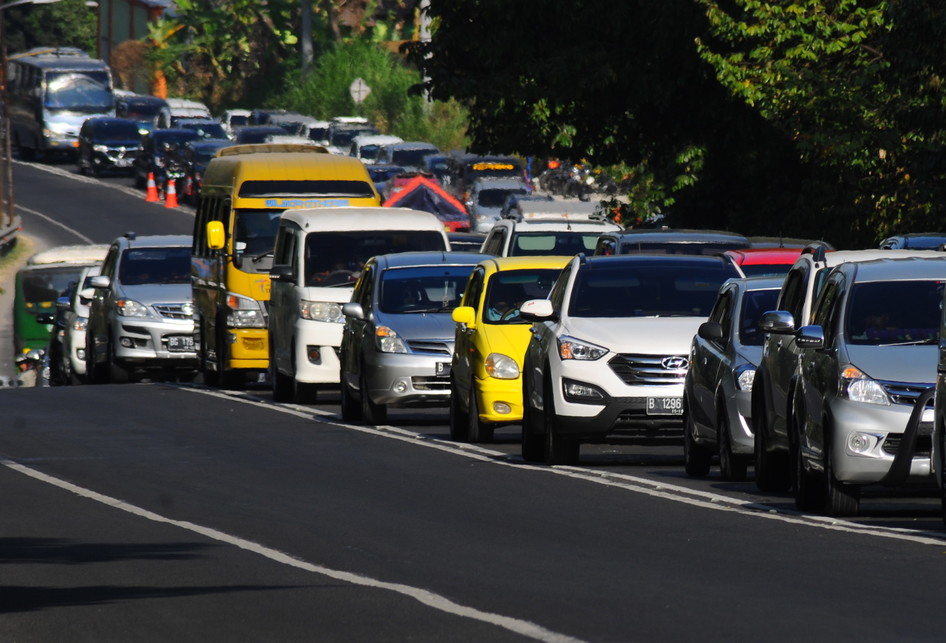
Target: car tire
(558, 449)
(477, 431)
(209, 376)
(697, 459)
(228, 380)
(351, 408)
(371, 413)
(841, 500)
(459, 419)
(533, 448)
(305, 392)
(772, 473)
(809, 487)
(282, 384)
(95, 372)
(732, 467)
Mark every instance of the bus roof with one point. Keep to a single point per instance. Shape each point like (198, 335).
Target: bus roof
(259, 148)
(64, 58)
(70, 254)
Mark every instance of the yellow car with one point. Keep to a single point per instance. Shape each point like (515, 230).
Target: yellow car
(491, 340)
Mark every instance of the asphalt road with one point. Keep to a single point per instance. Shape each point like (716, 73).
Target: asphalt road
(155, 512)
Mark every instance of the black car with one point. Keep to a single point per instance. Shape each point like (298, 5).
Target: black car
(207, 128)
(160, 151)
(146, 111)
(196, 156)
(107, 144)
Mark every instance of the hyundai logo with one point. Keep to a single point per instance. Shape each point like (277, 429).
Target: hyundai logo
(675, 363)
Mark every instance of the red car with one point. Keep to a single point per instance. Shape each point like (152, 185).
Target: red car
(756, 262)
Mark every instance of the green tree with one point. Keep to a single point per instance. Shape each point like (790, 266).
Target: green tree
(325, 93)
(68, 23)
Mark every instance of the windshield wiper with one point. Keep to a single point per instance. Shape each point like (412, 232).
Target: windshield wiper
(258, 258)
(915, 342)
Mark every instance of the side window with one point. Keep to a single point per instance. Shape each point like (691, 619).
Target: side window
(722, 312)
(792, 297)
(606, 246)
(474, 289)
(282, 253)
(110, 262)
(825, 311)
(493, 244)
(366, 285)
(557, 294)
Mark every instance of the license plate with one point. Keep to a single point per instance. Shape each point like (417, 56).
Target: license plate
(181, 343)
(123, 162)
(664, 406)
(442, 368)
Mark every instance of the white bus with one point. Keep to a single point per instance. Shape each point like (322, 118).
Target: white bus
(51, 93)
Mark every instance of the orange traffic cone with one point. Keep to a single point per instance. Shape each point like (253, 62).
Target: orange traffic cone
(152, 189)
(170, 198)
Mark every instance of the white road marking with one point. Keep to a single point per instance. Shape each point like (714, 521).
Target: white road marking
(428, 598)
(36, 213)
(635, 484)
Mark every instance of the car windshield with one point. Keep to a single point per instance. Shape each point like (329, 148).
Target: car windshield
(495, 197)
(410, 157)
(508, 289)
(754, 304)
(143, 110)
(336, 258)
(678, 289)
(87, 91)
(553, 243)
(155, 266)
(46, 285)
(116, 131)
(255, 236)
(894, 312)
(422, 289)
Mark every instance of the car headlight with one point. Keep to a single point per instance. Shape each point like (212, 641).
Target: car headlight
(857, 387)
(744, 378)
(571, 348)
(388, 341)
(323, 311)
(502, 367)
(131, 308)
(244, 312)
(100, 148)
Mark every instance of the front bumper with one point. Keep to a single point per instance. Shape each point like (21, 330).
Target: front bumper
(884, 426)
(147, 344)
(406, 379)
(316, 351)
(494, 396)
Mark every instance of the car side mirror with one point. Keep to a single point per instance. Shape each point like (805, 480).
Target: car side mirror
(464, 315)
(811, 337)
(779, 322)
(282, 272)
(63, 303)
(216, 235)
(354, 310)
(100, 281)
(711, 331)
(86, 294)
(536, 310)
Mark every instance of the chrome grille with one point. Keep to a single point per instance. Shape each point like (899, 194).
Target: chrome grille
(905, 393)
(175, 311)
(431, 383)
(924, 441)
(429, 347)
(636, 369)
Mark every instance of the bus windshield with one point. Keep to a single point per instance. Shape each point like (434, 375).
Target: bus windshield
(255, 234)
(78, 91)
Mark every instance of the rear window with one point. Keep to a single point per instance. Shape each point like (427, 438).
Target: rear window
(553, 243)
(330, 256)
(352, 189)
(653, 290)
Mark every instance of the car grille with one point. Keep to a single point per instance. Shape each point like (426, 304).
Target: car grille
(175, 311)
(649, 369)
(901, 393)
(429, 348)
(116, 154)
(431, 383)
(924, 441)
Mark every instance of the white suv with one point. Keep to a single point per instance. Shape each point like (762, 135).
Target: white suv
(609, 350)
(552, 235)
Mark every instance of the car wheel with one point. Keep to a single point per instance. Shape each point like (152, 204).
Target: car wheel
(809, 487)
(840, 499)
(532, 446)
(95, 372)
(351, 409)
(371, 413)
(771, 470)
(477, 431)
(558, 449)
(697, 459)
(732, 467)
(209, 376)
(226, 379)
(282, 384)
(459, 419)
(305, 392)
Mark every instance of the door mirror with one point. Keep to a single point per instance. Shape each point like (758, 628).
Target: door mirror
(216, 235)
(100, 281)
(711, 331)
(811, 337)
(354, 310)
(464, 315)
(282, 273)
(536, 310)
(779, 322)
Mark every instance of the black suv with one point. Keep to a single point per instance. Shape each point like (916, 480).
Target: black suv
(107, 144)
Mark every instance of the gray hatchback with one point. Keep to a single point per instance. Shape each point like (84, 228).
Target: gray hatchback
(397, 344)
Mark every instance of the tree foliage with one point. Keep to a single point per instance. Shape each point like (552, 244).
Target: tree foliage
(819, 118)
(67, 23)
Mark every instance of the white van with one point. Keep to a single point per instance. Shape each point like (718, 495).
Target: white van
(367, 146)
(318, 256)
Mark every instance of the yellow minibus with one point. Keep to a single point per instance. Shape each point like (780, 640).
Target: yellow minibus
(245, 190)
